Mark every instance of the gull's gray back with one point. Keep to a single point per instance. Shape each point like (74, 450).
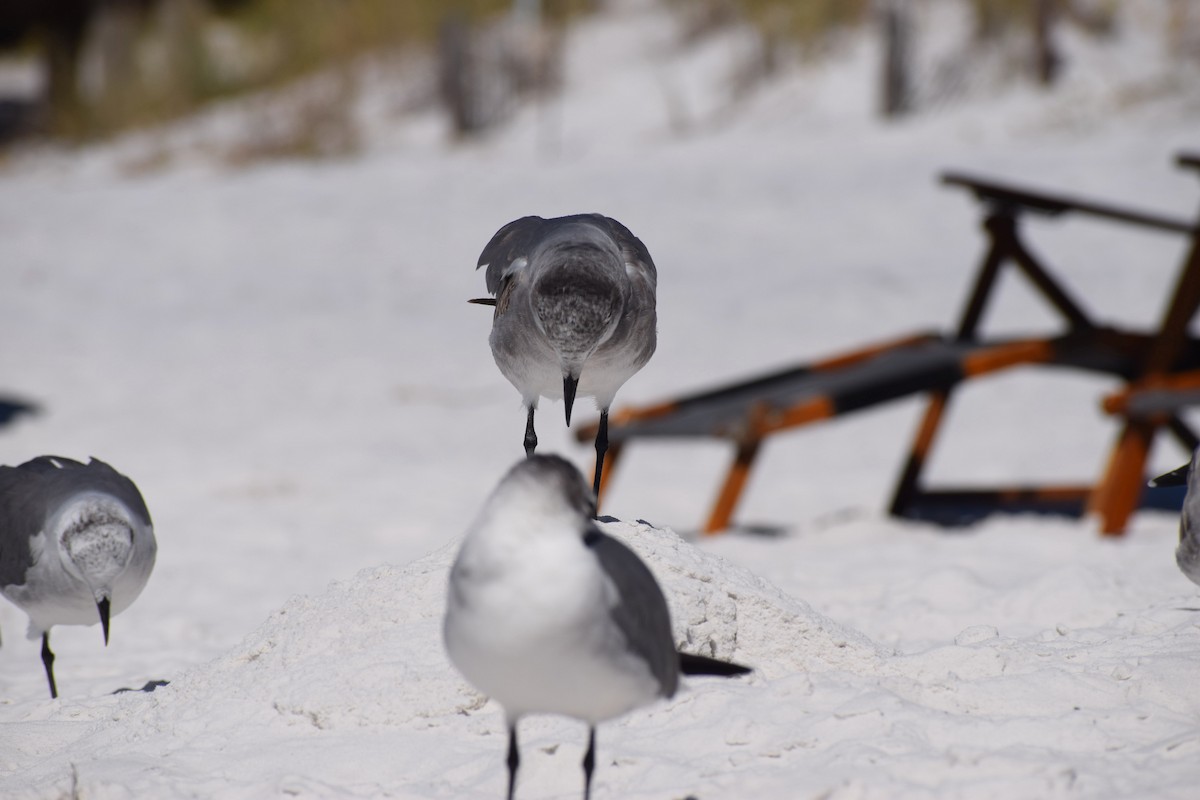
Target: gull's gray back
(30, 493)
(641, 614)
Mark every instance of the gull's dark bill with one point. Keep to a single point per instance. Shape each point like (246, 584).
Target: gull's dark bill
(1176, 477)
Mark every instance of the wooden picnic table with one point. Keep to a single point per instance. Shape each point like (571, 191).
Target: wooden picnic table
(1159, 369)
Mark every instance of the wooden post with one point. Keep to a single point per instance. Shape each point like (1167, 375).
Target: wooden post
(1047, 61)
(731, 490)
(896, 94)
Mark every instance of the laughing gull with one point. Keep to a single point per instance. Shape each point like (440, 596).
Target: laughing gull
(575, 312)
(546, 614)
(76, 545)
(1187, 554)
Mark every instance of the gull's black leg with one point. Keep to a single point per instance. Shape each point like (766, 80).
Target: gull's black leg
(530, 436)
(514, 759)
(48, 663)
(589, 762)
(601, 449)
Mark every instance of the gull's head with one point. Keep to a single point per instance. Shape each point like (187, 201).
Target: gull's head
(541, 491)
(95, 535)
(1187, 554)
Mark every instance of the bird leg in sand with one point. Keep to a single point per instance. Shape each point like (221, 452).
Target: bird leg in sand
(601, 449)
(514, 759)
(530, 434)
(589, 762)
(48, 662)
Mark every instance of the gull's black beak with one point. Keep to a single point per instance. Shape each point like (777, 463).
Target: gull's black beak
(483, 301)
(569, 386)
(103, 607)
(1176, 477)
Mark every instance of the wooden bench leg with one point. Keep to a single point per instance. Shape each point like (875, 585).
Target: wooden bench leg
(1116, 496)
(1183, 433)
(610, 461)
(735, 481)
(907, 488)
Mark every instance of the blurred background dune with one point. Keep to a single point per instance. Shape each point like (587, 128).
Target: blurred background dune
(80, 70)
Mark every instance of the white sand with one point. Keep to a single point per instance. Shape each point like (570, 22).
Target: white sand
(284, 361)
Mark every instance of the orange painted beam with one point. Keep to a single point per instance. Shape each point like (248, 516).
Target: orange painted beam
(1116, 496)
(1004, 356)
(731, 489)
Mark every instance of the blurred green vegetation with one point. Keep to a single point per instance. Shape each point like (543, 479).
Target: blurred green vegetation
(173, 56)
(994, 18)
(300, 36)
(806, 22)
(810, 23)
(181, 54)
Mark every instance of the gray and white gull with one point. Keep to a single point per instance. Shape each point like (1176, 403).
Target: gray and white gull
(575, 312)
(76, 545)
(1187, 553)
(547, 614)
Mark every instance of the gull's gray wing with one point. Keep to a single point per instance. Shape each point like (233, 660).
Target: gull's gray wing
(48, 465)
(633, 252)
(516, 240)
(21, 517)
(27, 497)
(62, 478)
(509, 244)
(641, 613)
(102, 477)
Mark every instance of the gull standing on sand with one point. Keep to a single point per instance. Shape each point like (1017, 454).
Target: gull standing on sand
(76, 545)
(575, 312)
(546, 614)
(1187, 554)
